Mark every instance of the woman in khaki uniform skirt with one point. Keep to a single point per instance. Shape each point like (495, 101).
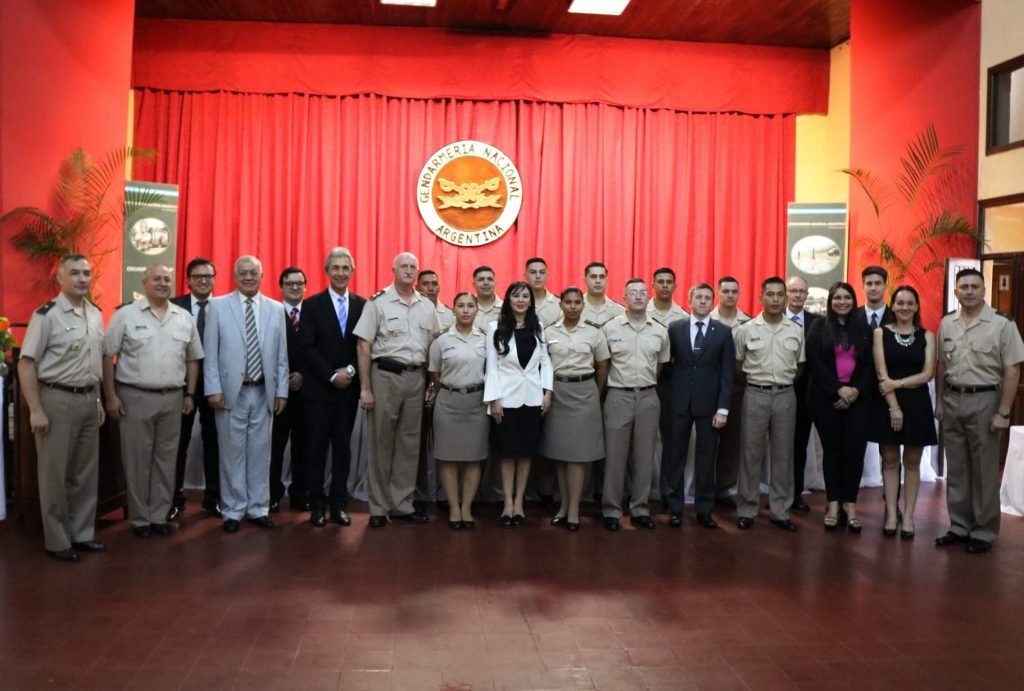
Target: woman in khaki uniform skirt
(579, 358)
(461, 425)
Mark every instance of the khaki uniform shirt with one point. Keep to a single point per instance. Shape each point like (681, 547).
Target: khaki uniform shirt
(152, 353)
(460, 359)
(485, 316)
(599, 316)
(976, 355)
(666, 317)
(635, 353)
(398, 330)
(770, 354)
(549, 309)
(445, 317)
(740, 318)
(67, 346)
(575, 351)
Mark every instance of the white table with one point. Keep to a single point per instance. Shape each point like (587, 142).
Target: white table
(1011, 492)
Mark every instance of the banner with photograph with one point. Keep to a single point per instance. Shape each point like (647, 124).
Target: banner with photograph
(150, 232)
(816, 249)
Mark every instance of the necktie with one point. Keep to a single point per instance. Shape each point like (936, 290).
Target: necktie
(295, 318)
(342, 313)
(874, 320)
(698, 340)
(253, 366)
(201, 319)
(797, 319)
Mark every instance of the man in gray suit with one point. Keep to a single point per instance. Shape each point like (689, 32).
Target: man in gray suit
(246, 380)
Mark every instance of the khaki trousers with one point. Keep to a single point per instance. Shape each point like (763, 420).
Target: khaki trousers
(769, 414)
(972, 463)
(395, 424)
(150, 429)
(68, 464)
(630, 433)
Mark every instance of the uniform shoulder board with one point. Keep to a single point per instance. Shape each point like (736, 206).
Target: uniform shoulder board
(377, 294)
(94, 304)
(47, 307)
(1006, 316)
(590, 323)
(949, 313)
(437, 334)
(479, 330)
(123, 304)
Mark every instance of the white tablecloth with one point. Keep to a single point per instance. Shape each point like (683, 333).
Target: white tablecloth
(1011, 492)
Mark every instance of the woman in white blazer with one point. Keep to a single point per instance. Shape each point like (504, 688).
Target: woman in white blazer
(517, 390)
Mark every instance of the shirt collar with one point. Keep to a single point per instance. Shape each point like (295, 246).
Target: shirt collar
(335, 296)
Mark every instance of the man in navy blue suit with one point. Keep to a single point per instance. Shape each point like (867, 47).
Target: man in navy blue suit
(703, 357)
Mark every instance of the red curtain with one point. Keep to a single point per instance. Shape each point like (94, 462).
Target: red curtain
(286, 177)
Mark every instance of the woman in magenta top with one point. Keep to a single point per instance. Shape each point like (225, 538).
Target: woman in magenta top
(839, 356)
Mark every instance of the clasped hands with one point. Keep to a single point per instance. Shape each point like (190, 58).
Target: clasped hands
(847, 397)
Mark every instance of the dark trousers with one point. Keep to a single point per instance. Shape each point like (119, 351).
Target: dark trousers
(290, 424)
(211, 455)
(329, 424)
(843, 440)
(703, 462)
(665, 430)
(801, 438)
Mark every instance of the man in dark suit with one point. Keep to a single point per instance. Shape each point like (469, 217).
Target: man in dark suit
(876, 312)
(290, 423)
(796, 296)
(201, 278)
(330, 386)
(703, 364)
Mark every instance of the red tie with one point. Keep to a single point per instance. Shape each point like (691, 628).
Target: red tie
(295, 318)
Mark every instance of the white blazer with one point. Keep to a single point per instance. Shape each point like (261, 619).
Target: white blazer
(511, 384)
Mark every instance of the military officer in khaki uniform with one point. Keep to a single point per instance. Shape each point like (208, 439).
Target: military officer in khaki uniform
(980, 352)
(727, 465)
(769, 353)
(488, 304)
(638, 346)
(158, 350)
(598, 310)
(547, 305)
(60, 370)
(427, 480)
(428, 285)
(394, 333)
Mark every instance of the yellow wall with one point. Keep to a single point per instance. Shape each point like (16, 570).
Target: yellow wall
(823, 141)
(1002, 25)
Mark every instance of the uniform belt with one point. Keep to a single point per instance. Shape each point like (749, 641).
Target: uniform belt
(634, 389)
(572, 379)
(971, 389)
(394, 366)
(69, 389)
(258, 382)
(464, 389)
(770, 387)
(166, 389)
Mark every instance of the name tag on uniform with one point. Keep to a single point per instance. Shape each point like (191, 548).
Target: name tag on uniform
(755, 338)
(70, 328)
(141, 326)
(447, 348)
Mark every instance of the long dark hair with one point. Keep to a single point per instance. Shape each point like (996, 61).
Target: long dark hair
(912, 291)
(835, 331)
(507, 320)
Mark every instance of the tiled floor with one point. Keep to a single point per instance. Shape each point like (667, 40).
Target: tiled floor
(423, 607)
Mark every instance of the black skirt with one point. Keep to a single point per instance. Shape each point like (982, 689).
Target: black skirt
(519, 432)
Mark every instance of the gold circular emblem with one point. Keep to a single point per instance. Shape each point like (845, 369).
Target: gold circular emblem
(469, 193)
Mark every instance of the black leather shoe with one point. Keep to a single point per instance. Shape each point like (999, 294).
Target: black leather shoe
(645, 522)
(341, 517)
(518, 519)
(174, 514)
(675, 520)
(469, 525)
(89, 546)
(414, 517)
(800, 505)
(66, 554)
(317, 518)
(506, 521)
(264, 522)
(142, 530)
(784, 524)
(212, 510)
(975, 546)
(275, 506)
(744, 523)
(558, 520)
(572, 527)
(455, 525)
(950, 538)
(707, 521)
(611, 523)
(378, 521)
(162, 528)
(231, 525)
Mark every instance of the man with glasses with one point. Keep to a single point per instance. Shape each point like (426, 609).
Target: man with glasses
(796, 296)
(639, 347)
(201, 276)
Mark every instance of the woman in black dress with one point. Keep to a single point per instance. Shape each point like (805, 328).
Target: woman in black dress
(839, 358)
(905, 361)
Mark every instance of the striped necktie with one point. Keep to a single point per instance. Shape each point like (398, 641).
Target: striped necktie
(253, 366)
(342, 313)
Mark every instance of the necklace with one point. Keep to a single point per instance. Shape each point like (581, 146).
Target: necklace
(904, 340)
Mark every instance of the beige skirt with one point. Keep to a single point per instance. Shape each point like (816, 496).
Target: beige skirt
(573, 430)
(461, 426)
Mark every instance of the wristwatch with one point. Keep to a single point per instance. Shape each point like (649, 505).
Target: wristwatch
(1005, 416)
(351, 370)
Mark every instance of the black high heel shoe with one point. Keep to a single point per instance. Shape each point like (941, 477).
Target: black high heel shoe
(572, 527)
(558, 520)
(506, 521)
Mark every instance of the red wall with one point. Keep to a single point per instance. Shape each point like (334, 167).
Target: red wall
(65, 69)
(913, 62)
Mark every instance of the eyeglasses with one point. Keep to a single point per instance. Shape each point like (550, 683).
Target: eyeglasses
(202, 277)
(637, 293)
(294, 284)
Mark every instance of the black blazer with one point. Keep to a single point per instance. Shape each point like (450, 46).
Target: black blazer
(324, 348)
(185, 302)
(888, 316)
(296, 352)
(701, 383)
(821, 361)
(800, 385)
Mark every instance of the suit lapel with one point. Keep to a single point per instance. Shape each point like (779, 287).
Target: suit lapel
(234, 303)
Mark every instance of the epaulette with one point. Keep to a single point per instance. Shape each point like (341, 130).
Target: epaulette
(482, 332)
(377, 294)
(437, 334)
(593, 324)
(949, 313)
(1006, 316)
(47, 307)
(94, 304)
(123, 304)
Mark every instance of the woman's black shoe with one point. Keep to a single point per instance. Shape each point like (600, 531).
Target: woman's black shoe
(558, 520)
(572, 527)
(455, 525)
(468, 525)
(506, 521)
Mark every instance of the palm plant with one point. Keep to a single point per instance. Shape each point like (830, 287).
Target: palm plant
(86, 203)
(912, 249)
